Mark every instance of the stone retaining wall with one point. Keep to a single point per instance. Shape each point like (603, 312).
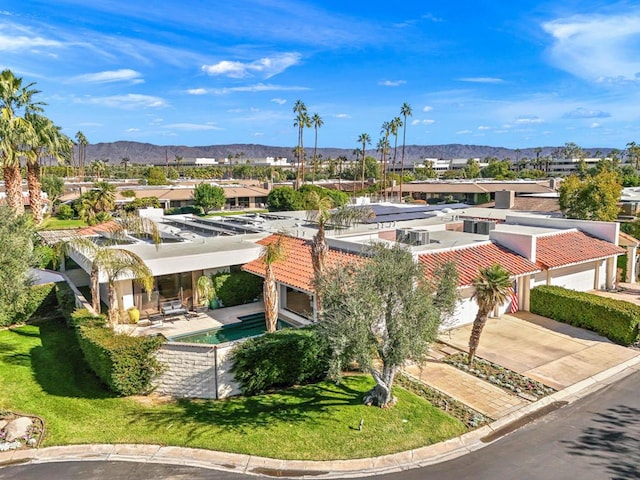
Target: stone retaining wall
(196, 371)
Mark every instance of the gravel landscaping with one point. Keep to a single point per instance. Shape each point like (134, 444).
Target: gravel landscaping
(502, 377)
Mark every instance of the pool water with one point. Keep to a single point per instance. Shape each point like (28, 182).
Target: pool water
(249, 326)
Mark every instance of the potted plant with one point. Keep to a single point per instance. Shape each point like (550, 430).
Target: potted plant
(134, 314)
(206, 291)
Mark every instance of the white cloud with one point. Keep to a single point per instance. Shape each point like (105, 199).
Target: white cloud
(259, 87)
(131, 130)
(484, 127)
(582, 112)
(595, 125)
(463, 132)
(265, 67)
(528, 120)
(427, 108)
(191, 126)
(127, 102)
(197, 91)
(426, 121)
(342, 115)
(258, 134)
(122, 75)
(279, 101)
(599, 48)
(481, 80)
(10, 43)
(391, 83)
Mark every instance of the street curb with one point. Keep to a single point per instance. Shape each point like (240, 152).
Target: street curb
(252, 465)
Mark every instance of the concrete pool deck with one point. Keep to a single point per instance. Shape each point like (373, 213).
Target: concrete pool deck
(185, 324)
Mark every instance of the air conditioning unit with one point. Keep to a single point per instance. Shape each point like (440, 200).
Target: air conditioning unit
(483, 227)
(469, 226)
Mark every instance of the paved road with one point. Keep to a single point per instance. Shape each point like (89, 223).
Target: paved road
(595, 438)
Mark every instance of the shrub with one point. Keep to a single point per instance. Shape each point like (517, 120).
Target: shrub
(280, 359)
(126, 364)
(237, 288)
(40, 300)
(66, 300)
(615, 319)
(65, 212)
(194, 209)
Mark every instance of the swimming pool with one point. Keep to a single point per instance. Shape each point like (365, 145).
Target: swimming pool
(248, 326)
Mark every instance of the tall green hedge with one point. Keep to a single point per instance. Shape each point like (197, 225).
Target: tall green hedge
(40, 301)
(280, 359)
(126, 364)
(237, 288)
(615, 319)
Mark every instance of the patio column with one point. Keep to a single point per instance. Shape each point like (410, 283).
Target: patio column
(596, 275)
(524, 294)
(611, 273)
(632, 263)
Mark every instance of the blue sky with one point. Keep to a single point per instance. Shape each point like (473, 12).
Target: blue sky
(489, 72)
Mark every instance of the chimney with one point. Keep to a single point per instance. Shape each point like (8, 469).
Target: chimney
(505, 199)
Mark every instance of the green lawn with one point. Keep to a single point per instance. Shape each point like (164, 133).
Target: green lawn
(53, 223)
(42, 372)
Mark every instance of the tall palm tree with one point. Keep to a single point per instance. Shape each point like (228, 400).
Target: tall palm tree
(125, 163)
(405, 111)
(395, 124)
(365, 140)
(51, 141)
(301, 121)
(105, 196)
(82, 142)
(492, 288)
(271, 253)
(317, 122)
(16, 101)
(178, 161)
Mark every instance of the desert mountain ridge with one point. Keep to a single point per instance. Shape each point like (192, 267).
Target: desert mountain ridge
(146, 153)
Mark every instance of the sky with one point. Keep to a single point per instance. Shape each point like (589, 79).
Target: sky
(515, 73)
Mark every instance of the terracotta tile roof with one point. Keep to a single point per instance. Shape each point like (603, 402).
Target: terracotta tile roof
(296, 270)
(470, 259)
(571, 247)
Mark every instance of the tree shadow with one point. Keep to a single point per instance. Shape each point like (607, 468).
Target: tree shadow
(59, 366)
(613, 442)
(243, 414)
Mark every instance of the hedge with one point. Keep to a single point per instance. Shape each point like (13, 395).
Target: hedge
(280, 359)
(237, 288)
(126, 364)
(40, 301)
(615, 319)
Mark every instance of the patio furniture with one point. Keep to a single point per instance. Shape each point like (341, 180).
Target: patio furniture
(172, 308)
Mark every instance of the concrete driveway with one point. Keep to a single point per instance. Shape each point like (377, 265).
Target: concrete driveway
(553, 353)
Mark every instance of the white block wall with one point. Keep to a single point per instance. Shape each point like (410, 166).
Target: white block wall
(190, 371)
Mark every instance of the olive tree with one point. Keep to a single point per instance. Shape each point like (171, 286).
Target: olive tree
(382, 312)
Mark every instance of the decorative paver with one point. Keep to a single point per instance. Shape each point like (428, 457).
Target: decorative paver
(472, 391)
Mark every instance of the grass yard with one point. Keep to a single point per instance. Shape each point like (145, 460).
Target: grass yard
(42, 372)
(53, 223)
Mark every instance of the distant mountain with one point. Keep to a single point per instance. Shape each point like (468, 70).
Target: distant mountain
(146, 153)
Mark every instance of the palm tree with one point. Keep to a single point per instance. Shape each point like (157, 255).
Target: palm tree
(115, 264)
(317, 122)
(104, 196)
(51, 141)
(125, 162)
(365, 140)
(271, 253)
(82, 153)
(301, 121)
(16, 101)
(492, 286)
(320, 209)
(178, 160)
(98, 167)
(405, 111)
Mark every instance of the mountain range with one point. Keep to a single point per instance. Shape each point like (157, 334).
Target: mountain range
(146, 153)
